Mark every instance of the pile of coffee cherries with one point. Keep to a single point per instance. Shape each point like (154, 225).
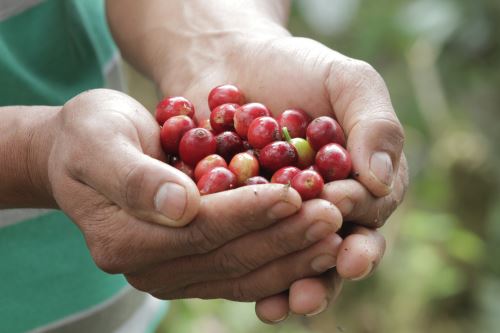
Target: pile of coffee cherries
(242, 144)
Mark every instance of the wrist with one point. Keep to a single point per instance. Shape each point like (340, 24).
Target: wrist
(24, 150)
(42, 136)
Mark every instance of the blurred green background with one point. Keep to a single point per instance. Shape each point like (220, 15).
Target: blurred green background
(441, 62)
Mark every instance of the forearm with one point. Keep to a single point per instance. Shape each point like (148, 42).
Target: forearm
(24, 145)
(171, 41)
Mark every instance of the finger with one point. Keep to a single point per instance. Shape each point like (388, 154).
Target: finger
(316, 220)
(116, 163)
(311, 296)
(375, 136)
(358, 205)
(122, 243)
(227, 215)
(271, 279)
(360, 253)
(272, 309)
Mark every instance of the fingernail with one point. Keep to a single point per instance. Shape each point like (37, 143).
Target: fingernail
(275, 321)
(318, 230)
(345, 206)
(170, 200)
(364, 274)
(282, 209)
(381, 167)
(320, 309)
(323, 262)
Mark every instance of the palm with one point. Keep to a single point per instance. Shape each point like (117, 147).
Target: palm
(295, 80)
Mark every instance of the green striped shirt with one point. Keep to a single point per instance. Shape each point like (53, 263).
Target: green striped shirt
(49, 52)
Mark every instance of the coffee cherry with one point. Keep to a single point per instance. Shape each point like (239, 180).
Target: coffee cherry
(228, 145)
(223, 94)
(333, 162)
(324, 130)
(308, 183)
(296, 121)
(196, 144)
(305, 153)
(285, 175)
(180, 165)
(172, 131)
(244, 166)
(277, 155)
(216, 180)
(262, 131)
(245, 114)
(173, 106)
(256, 180)
(221, 118)
(207, 164)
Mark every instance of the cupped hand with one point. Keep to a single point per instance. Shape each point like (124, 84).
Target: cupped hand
(106, 172)
(289, 72)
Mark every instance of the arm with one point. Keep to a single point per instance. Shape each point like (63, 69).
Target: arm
(191, 46)
(173, 41)
(22, 147)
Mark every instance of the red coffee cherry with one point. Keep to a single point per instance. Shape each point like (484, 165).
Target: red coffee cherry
(245, 114)
(277, 155)
(216, 180)
(262, 131)
(333, 162)
(172, 131)
(308, 183)
(196, 144)
(173, 106)
(324, 130)
(226, 93)
(221, 118)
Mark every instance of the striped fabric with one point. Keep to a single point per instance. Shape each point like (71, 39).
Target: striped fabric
(50, 51)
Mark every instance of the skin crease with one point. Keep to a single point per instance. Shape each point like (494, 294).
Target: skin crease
(324, 83)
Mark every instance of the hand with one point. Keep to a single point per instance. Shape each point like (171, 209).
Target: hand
(287, 72)
(105, 172)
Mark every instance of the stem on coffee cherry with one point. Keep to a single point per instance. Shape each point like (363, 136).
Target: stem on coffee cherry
(286, 134)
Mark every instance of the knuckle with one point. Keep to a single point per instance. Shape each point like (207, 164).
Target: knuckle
(394, 128)
(230, 264)
(107, 262)
(167, 295)
(383, 210)
(92, 94)
(199, 240)
(361, 70)
(351, 74)
(404, 176)
(138, 282)
(108, 254)
(240, 292)
(281, 243)
(135, 182)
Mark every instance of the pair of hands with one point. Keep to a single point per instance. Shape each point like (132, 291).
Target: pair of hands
(250, 244)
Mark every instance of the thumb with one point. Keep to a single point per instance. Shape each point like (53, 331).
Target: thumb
(374, 134)
(143, 186)
(157, 192)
